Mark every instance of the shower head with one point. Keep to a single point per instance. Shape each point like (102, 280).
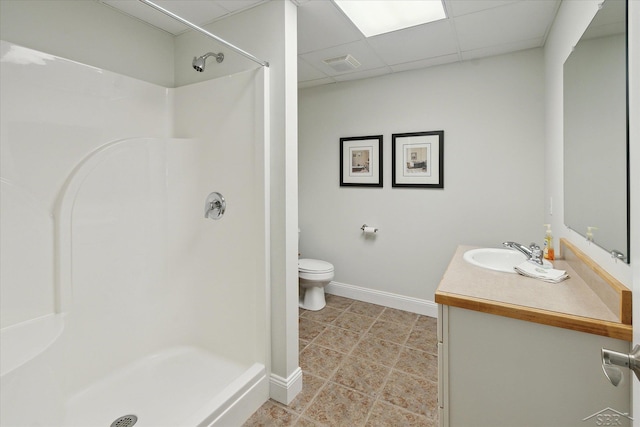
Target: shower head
(198, 63)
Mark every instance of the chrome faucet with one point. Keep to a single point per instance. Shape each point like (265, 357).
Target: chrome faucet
(533, 252)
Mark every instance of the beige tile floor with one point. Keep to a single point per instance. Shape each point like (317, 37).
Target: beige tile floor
(362, 365)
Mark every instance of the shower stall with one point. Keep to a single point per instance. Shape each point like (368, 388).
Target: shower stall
(123, 300)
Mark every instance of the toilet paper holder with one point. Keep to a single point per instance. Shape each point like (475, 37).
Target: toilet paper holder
(366, 228)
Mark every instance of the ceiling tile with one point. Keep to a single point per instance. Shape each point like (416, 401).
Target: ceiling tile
(473, 29)
(514, 22)
(430, 62)
(195, 11)
(147, 14)
(364, 74)
(237, 5)
(322, 25)
(501, 49)
(360, 50)
(318, 82)
(307, 72)
(464, 7)
(415, 43)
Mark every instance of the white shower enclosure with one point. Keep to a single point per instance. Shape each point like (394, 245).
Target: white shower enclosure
(118, 297)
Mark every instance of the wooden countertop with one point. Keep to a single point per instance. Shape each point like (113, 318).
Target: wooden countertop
(575, 303)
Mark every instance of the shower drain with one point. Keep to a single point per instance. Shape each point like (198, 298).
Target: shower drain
(125, 421)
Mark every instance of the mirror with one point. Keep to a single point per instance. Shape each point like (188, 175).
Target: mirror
(596, 180)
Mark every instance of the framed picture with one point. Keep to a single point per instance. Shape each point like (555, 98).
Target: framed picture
(417, 159)
(361, 161)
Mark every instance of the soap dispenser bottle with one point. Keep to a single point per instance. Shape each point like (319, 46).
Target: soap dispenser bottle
(548, 252)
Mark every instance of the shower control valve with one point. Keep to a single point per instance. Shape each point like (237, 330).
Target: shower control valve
(214, 206)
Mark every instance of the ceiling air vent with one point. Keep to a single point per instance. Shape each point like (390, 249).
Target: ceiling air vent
(342, 63)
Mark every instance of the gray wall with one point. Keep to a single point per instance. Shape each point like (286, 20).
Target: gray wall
(491, 111)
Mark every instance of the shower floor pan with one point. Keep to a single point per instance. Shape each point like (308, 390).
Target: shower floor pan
(180, 386)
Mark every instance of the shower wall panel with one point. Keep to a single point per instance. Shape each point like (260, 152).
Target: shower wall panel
(54, 113)
(227, 115)
(122, 307)
(138, 267)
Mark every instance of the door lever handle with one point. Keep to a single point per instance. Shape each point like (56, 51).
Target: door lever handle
(611, 360)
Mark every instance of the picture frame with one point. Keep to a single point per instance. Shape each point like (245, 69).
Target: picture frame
(361, 161)
(417, 159)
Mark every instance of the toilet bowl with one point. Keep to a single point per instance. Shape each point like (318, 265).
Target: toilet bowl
(313, 275)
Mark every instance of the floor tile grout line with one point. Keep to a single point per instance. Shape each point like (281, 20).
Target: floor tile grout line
(325, 380)
(377, 396)
(344, 360)
(362, 334)
(310, 403)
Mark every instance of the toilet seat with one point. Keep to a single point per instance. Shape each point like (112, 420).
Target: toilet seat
(314, 266)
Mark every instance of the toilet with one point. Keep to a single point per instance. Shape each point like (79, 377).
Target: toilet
(313, 275)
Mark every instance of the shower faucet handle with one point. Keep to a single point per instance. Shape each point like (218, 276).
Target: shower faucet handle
(214, 206)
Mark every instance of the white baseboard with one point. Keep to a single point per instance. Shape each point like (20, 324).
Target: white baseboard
(387, 299)
(284, 390)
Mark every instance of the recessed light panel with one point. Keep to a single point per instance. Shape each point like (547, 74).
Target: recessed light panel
(374, 17)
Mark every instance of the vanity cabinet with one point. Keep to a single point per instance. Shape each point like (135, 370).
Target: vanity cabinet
(515, 351)
(497, 371)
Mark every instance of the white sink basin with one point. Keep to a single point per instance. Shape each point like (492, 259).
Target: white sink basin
(497, 259)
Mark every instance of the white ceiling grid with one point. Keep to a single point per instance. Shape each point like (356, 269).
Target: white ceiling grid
(472, 29)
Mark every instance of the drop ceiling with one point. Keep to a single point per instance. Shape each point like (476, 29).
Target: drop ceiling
(473, 29)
